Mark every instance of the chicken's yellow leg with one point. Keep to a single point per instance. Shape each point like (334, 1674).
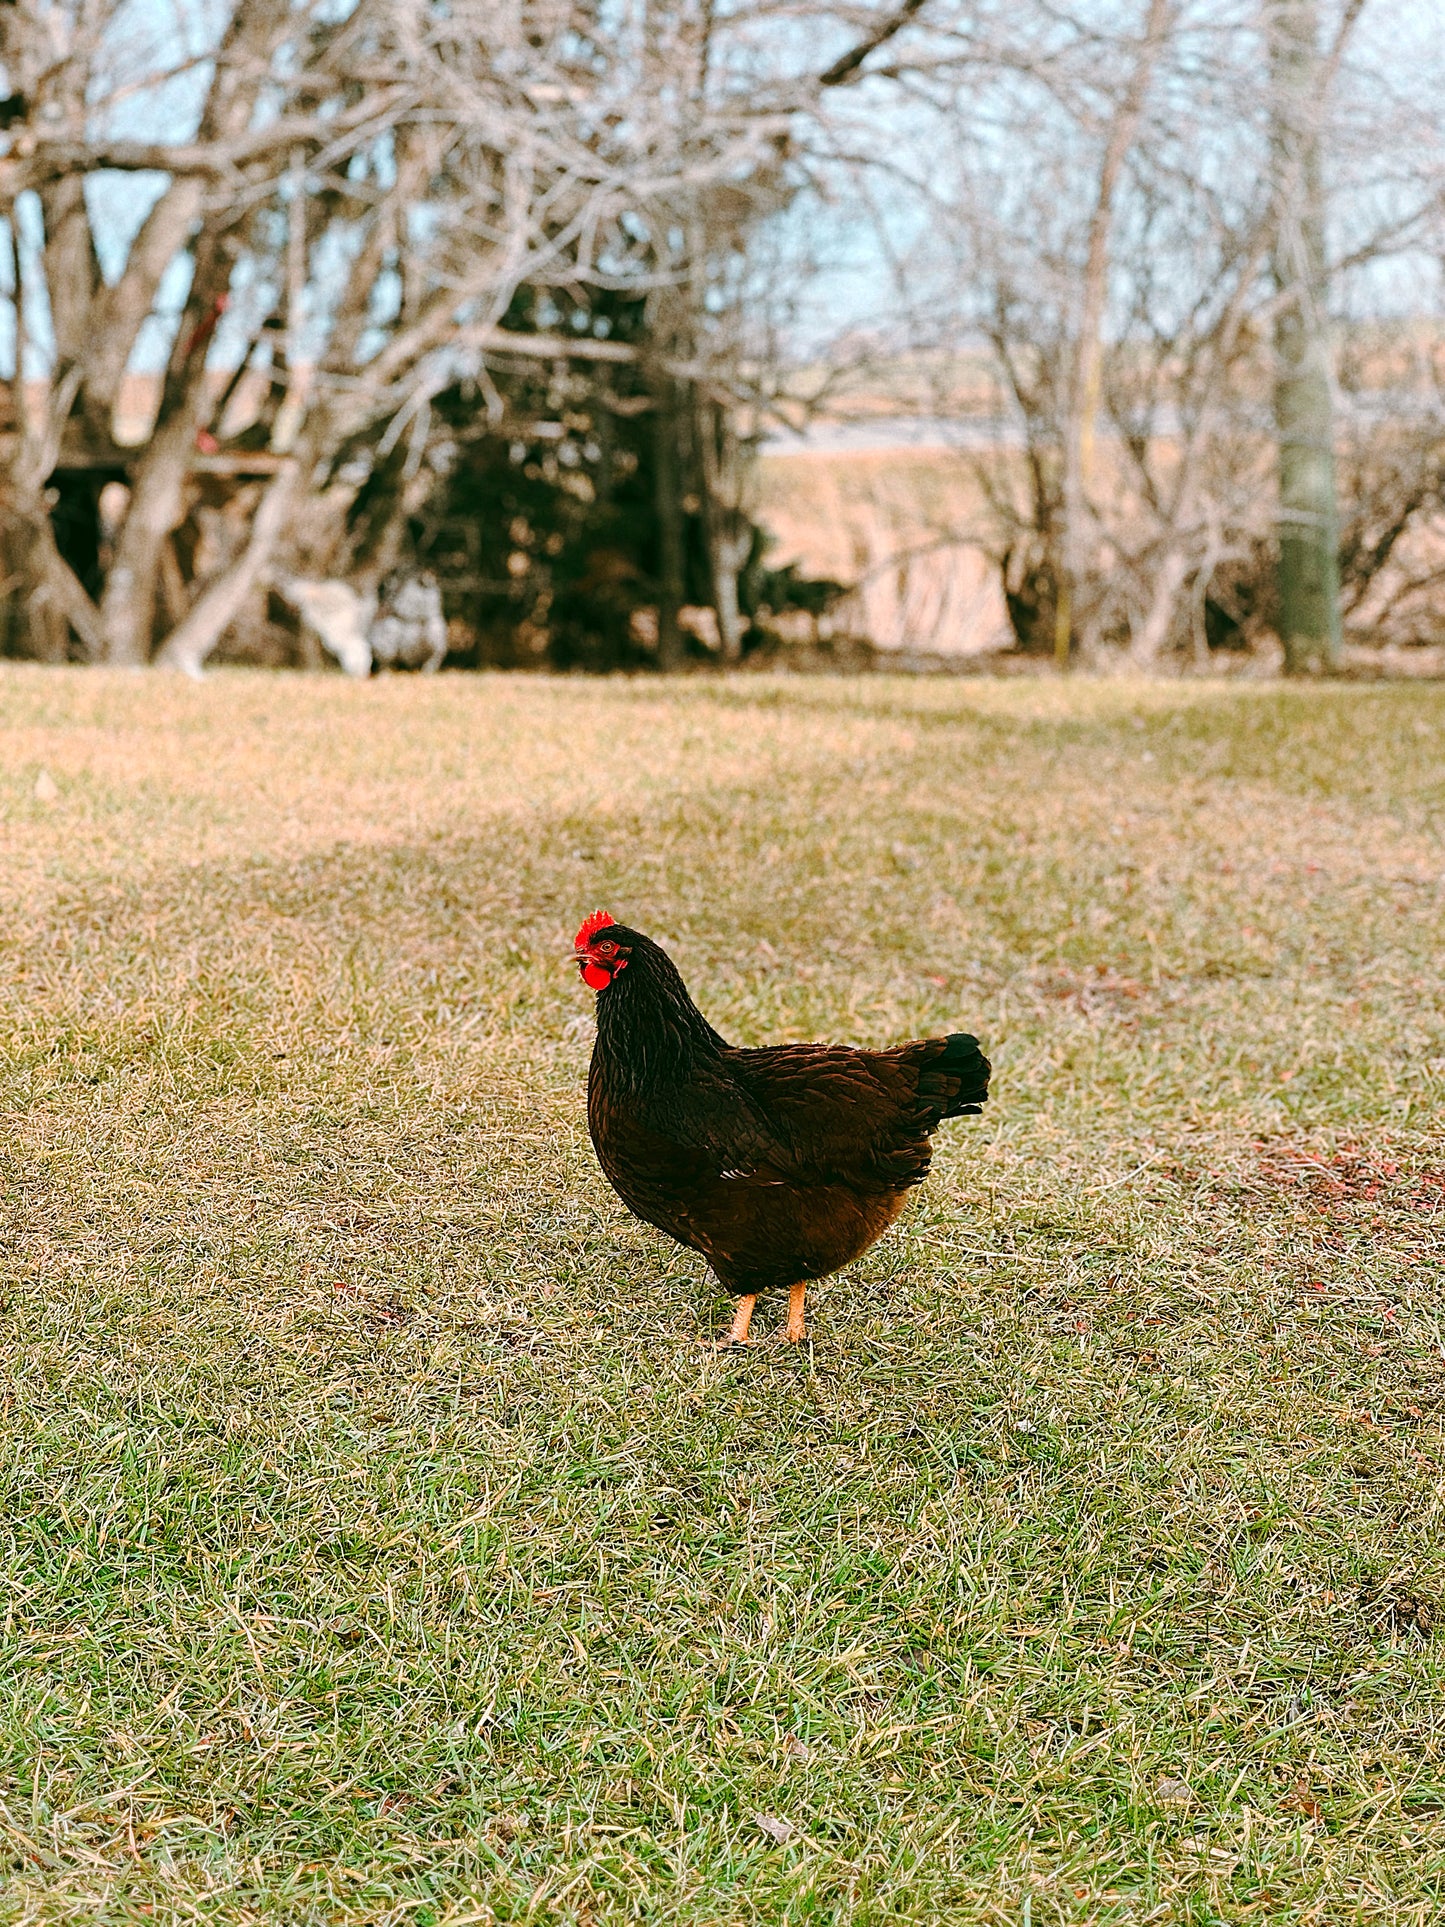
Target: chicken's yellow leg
(742, 1319)
(795, 1333)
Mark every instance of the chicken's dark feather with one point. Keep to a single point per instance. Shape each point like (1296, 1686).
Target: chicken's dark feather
(779, 1164)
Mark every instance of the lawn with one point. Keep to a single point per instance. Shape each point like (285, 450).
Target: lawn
(380, 1545)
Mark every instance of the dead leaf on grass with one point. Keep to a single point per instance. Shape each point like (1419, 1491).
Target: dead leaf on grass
(780, 1832)
(389, 1311)
(1396, 1609)
(1300, 1800)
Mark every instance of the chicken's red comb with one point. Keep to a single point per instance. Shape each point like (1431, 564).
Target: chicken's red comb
(599, 920)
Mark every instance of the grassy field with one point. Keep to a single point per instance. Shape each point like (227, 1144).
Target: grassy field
(377, 1542)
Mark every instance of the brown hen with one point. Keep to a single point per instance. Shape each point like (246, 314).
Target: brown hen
(778, 1165)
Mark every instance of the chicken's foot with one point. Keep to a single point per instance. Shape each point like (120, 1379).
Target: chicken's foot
(796, 1331)
(742, 1320)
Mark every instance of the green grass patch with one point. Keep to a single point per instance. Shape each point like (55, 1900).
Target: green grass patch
(379, 1543)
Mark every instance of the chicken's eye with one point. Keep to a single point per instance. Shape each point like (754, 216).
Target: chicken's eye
(605, 949)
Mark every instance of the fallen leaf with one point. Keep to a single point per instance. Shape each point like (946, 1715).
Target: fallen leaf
(1301, 1801)
(780, 1832)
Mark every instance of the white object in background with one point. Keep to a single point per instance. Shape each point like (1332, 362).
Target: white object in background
(410, 632)
(338, 615)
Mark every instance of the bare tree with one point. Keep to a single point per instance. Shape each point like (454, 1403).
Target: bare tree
(335, 222)
(349, 207)
(1111, 215)
(1309, 573)
(1082, 383)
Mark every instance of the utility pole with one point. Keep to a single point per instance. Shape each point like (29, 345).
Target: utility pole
(1309, 567)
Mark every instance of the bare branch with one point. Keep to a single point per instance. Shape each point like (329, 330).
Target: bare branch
(849, 66)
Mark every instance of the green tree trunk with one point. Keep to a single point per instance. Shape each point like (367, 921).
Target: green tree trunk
(1309, 570)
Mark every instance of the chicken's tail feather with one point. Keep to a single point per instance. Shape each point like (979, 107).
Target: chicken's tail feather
(954, 1083)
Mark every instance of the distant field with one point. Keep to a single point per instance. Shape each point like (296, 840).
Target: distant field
(909, 530)
(380, 1545)
(904, 526)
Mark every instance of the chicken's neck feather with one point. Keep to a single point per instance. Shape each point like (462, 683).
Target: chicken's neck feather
(650, 1033)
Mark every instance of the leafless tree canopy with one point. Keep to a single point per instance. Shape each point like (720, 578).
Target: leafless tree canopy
(1110, 251)
(249, 244)
(339, 204)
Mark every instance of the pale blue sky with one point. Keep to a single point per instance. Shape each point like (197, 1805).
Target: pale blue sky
(849, 285)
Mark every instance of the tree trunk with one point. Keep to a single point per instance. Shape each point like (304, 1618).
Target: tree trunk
(128, 605)
(159, 478)
(728, 535)
(1084, 380)
(72, 273)
(62, 597)
(1153, 632)
(1309, 568)
(188, 646)
(725, 570)
(671, 583)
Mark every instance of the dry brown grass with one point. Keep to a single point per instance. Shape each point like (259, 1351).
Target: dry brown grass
(380, 1546)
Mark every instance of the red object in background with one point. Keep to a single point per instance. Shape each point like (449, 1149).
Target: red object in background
(206, 327)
